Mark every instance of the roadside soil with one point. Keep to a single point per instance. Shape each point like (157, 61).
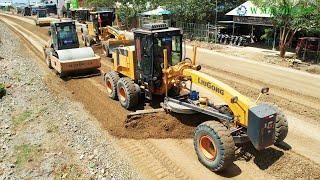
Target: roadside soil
(261, 55)
(44, 135)
(160, 145)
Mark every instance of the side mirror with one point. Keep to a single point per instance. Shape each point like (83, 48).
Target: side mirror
(264, 90)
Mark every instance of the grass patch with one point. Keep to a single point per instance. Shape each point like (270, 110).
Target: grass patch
(25, 153)
(17, 76)
(68, 172)
(31, 81)
(21, 118)
(52, 128)
(314, 70)
(2, 90)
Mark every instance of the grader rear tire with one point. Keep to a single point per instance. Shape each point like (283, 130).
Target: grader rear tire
(281, 129)
(214, 145)
(128, 94)
(111, 79)
(281, 126)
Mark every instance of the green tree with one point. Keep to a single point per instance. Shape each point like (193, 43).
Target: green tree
(291, 16)
(99, 3)
(197, 11)
(128, 11)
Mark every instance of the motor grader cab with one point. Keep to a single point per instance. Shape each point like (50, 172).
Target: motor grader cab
(154, 66)
(149, 45)
(63, 53)
(92, 29)
(81, 15)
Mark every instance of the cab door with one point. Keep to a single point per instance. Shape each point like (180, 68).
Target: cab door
(144, 54)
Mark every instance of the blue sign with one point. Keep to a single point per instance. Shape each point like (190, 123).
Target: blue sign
(242, 10)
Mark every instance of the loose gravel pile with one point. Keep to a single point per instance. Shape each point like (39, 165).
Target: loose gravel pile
(45, 136)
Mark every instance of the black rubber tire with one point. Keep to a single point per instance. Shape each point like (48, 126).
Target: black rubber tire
(106, 51)
(281, 129)
(281, 126)
(111, 77)
(223, 143)
(62, 75)
(131, 95)
(138, 91)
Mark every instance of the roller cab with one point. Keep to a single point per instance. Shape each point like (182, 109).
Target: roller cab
(42, 18)
(63, 53)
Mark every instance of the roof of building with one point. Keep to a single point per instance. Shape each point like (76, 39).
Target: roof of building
(249, 9)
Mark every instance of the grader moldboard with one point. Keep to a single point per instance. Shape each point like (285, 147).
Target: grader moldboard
(154, 66)
(63, 53)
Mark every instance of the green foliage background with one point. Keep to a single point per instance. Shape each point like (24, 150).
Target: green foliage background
(193, 11)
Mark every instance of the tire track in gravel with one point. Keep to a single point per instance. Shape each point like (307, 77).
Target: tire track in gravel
(149, 165)
(168, 148)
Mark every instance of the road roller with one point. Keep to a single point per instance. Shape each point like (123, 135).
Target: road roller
(63, 53)
(155, 66)
(42, 18)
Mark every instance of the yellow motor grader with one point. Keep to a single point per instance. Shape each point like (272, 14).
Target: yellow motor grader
(154, 66)
(92, 32)
(99, 30)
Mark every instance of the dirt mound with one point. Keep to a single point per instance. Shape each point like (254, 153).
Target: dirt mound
(162, 125)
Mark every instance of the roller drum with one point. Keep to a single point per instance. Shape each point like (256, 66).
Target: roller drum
(75, 54)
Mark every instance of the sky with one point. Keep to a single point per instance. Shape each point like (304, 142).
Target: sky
(19, 1)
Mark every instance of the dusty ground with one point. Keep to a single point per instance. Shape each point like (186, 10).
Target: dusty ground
(44, 135)
(261, 55)
(174, 158)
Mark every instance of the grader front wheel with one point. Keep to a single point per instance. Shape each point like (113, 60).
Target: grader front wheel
(128, 94)
(214, 145)
(111, 79)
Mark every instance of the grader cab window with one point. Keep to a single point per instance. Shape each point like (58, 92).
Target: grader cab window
(173, 46)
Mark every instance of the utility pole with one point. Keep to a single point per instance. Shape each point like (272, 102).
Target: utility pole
(215, 24)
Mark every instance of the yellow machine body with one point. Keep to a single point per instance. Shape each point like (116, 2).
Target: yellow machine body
(125, 64)
(125, 61)
(113, 38)
(240, 108)
(91, 29)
